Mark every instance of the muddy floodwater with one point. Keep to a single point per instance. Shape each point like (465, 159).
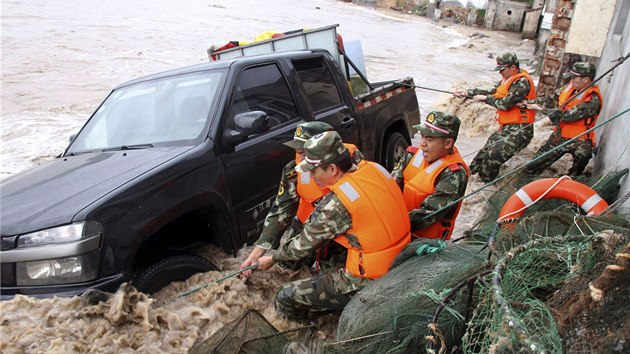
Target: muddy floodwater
(61, 58)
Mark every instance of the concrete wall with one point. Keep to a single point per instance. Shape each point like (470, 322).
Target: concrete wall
(491, 10)
(505, 15)
(530, 26)
(589, 26)
(614, 138)
(510, 15)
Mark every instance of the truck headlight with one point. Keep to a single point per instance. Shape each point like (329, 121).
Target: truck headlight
(60, 234)
(73, 269)
(59, 255)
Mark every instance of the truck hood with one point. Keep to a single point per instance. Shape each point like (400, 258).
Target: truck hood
(53, 193)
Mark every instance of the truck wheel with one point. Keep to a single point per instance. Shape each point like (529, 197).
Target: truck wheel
(395, 147)
(168, 270)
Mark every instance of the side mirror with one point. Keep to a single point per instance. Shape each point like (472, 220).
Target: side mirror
(245, 124)
(71, 138)
(250, 123)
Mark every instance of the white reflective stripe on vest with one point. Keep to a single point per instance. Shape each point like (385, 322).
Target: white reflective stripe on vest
(524, 197)
(591, 202)
(349, 191)
(305, 177)
(417, 160)
(433, 166)
(382, 169)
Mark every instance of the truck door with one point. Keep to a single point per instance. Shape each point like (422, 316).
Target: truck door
(253, 169)
(323, 95)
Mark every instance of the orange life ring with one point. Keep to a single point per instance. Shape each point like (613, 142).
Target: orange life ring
(550, 188)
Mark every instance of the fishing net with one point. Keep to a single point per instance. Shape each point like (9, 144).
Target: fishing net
(252, 333)
(391, 314)
(523, 303)
(543, 264)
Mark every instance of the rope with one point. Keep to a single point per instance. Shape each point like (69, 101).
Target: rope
(523, 166)
(427, 249)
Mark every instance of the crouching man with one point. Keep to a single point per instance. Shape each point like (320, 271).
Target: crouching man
(362, 209)
(433, 176)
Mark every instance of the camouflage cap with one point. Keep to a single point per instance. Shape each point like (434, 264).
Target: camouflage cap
(505, 60)
(305, 131)
(320, 149)
(582, 69)
(439, 124)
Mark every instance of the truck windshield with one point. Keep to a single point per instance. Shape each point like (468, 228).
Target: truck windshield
(168, 111)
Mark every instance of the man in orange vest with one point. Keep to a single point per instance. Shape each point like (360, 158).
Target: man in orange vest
(433, 176)
(363, 210)
(516, 128)
(578, 106)
(296, 194)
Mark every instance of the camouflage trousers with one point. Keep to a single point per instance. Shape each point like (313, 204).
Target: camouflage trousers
(321, 293)
(499, 148)
(581, 150)
(330, 256)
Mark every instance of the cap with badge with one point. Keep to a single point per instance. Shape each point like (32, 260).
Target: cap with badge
(321, 149)
(439, 123)
(506, 60)
(305, 131)
(581, 69)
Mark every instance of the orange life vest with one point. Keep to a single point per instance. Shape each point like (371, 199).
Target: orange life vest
(570, 130)
(309, 191)
(515, 115)
(419, 177)
(379, 219)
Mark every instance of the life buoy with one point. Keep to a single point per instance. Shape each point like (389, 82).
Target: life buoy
(553, 188)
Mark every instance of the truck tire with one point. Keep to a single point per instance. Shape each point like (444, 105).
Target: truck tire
(395, 146)
(168, 270)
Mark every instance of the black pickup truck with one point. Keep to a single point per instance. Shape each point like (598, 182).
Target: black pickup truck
(180, 158)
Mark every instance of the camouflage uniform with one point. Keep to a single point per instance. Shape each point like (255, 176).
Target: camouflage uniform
(326, 292)
(512, 138)
(449, 185)
(580, 149)
(282, 214)
(332, 290)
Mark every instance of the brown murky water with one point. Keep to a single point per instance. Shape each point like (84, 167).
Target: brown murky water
(60, 59)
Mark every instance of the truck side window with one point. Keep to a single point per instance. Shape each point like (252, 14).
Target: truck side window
(319, 83)
(263, 88)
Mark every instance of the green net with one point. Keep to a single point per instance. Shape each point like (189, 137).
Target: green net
(515, 312)
(252, 333)
(391, 315)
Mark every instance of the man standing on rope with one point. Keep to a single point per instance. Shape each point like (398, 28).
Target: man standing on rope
(362, 210)
(433, 176)
(296, 194)
(578, 106)
(515, 131)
